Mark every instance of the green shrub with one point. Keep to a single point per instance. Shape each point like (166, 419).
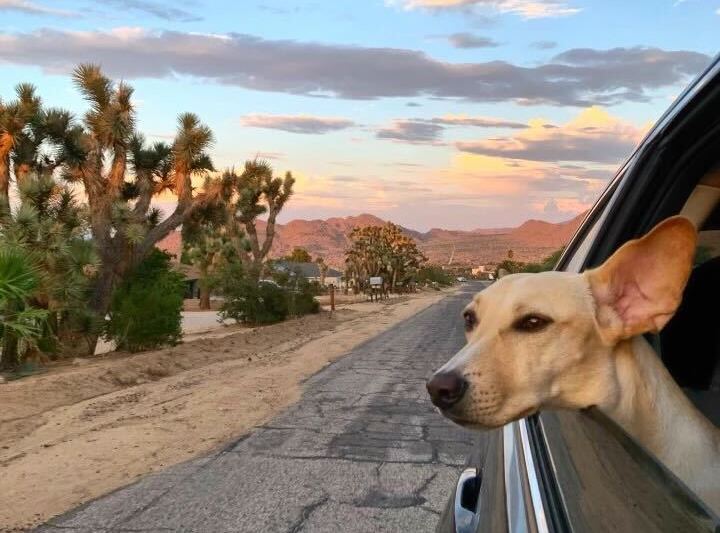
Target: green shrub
(249, 301)
(548, 263)
(434, 274)
(146, 308)
(266, 301)
(301, 300)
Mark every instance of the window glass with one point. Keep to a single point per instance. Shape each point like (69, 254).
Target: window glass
(577, 260)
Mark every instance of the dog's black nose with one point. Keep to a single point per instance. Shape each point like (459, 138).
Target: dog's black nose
(446, 389)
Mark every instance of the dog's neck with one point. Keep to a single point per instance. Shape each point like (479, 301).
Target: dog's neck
(651, 407)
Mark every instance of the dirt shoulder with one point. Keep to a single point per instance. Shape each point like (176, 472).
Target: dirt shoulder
(80, 431)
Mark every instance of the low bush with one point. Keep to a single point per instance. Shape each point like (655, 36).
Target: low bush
(146, 308)
(548, 263)
(434, 274)
(301, 300)
(266, 301)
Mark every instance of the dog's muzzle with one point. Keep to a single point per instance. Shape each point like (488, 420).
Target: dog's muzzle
(446, 389)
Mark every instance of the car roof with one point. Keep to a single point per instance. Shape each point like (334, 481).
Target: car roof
(709, 75)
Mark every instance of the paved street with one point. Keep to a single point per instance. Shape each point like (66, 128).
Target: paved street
(363, 450)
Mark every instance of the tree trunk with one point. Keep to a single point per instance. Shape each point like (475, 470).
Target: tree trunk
(204, 304)
(4, 178)
(9, 359)
(100, 304)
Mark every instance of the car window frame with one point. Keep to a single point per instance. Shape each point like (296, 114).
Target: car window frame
(593, 242)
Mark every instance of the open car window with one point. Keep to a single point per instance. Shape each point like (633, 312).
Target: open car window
(604, 479)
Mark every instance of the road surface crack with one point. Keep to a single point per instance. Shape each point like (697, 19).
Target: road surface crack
(306, 512)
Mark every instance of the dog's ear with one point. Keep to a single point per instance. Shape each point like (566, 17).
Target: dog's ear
(638, 289)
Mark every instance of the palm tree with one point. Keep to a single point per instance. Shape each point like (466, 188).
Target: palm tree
(20, 325)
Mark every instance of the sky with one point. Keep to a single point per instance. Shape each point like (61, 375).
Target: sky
(458, 114)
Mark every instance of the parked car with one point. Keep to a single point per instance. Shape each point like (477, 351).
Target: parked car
(461, 279)
(578, 471)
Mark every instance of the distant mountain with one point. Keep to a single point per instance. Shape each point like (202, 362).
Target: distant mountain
(541, 233)
(532, 240)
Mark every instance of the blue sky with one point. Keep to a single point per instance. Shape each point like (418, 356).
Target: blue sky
(432, 113)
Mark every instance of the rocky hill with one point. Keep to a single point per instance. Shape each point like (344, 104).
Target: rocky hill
(532, 240)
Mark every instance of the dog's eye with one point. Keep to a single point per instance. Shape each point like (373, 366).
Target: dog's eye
(470, 320)
(531, 323)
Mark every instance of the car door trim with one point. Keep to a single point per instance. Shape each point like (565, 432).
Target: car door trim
(536, 496)
(523, 502)
(514, 500)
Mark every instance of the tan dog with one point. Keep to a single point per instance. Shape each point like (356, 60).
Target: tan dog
(558, 340)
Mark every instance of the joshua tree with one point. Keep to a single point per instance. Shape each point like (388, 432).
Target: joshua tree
(99, 152)
(381, 251)
(256, 192)
(15, 118)
(403, 256)
(322, 266)
(207, 245)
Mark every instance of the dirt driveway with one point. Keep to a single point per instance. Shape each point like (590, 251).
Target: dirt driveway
(82, 430)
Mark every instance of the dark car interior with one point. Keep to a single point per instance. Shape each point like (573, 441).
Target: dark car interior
(689, 185)
(690, 343)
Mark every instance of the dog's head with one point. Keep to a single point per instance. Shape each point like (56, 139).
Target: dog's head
(547, 340)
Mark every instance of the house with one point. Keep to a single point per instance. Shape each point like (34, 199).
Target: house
(311, 272)
(172, 244)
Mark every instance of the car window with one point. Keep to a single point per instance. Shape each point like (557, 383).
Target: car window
(577, 260)
(577, 252)
(607, 481)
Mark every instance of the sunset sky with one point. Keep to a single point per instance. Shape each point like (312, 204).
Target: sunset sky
(431, 113)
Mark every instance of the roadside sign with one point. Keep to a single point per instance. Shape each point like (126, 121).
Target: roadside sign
(375, 281)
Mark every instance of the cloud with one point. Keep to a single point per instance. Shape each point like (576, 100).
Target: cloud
(422, 130)
(345, 179)
(157, 9)
(297, 123)
(411, 131)
(482, 122)
(544, 45)
(529, 9)
(470, 40)
(31, 8)
(577, 77)
(594, 136)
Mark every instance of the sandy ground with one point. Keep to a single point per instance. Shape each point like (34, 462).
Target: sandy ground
(84, 429)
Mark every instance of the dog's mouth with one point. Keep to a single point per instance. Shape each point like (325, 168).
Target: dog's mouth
(465, 422)
(484, 424)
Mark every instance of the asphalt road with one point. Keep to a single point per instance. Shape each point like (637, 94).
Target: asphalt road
(362, 451)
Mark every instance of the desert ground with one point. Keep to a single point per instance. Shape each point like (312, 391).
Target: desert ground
(90, 426)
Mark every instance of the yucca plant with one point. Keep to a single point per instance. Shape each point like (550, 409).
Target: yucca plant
(50, 227)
